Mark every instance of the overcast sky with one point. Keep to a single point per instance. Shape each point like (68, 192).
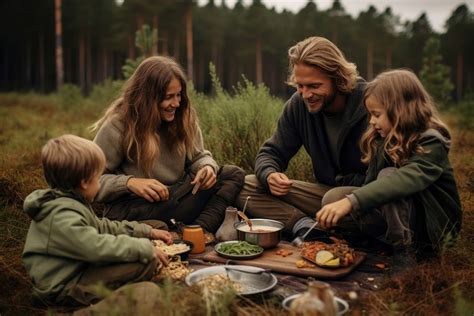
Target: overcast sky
(438, 11)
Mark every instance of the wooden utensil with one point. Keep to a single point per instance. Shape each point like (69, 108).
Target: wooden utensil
(198, 184)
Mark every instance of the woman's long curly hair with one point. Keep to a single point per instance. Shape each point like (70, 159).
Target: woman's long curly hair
(410, 110)
(138, 109)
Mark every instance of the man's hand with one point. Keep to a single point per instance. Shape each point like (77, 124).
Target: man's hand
(330, 214)
(161, 234)
(150, 189)
(206, 177)
(279, 183)
(161, 256)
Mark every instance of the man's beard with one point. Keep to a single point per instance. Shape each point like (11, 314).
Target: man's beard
(327, 102)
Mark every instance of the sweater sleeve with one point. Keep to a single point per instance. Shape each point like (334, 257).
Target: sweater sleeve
(73, 237)
(277, 151)
(201, 157)
(420, 171)
(113, 184)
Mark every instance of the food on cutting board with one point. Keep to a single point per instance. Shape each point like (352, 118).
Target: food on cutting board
(283, 252)
(241, 248)
(334, 255)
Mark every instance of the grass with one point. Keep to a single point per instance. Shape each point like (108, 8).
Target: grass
(234, 126)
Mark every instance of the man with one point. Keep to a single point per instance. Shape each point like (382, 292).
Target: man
(326, 115)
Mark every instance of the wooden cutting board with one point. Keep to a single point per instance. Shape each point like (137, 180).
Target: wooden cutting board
(286, 265)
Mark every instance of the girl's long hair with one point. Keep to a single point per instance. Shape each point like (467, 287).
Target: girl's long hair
(138, 109)
(410, 110)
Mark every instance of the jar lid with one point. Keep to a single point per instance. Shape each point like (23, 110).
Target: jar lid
(192, 226)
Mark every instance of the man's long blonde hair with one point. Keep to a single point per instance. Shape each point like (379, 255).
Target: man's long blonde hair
(138, 109)
(410, 110)
(322, 53)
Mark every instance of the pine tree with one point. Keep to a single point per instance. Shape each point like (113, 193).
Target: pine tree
(435, 75)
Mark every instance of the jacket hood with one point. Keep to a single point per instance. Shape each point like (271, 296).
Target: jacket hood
(36, 204)
(430, 133)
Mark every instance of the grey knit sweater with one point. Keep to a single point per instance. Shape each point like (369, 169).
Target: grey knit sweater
(168, 167)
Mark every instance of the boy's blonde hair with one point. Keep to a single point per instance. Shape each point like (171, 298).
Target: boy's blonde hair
(410, 110)
(322, 53)
(68, 159)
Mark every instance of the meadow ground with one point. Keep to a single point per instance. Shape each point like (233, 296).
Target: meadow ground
(440, 286)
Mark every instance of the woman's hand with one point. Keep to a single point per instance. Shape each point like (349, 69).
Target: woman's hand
(160, 256)
(150, 189)
(161, 234)
(279, 183)
(330, 214)
(206, 177)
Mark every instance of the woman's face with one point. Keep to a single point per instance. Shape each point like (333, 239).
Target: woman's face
(170, 103)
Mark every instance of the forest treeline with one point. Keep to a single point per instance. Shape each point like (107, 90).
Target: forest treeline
(99, 35)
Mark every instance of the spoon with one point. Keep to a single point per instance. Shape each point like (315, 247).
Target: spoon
(298, 241)
(245, 205)
(245, 218)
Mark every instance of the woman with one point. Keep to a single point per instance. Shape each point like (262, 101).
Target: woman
(157, 167)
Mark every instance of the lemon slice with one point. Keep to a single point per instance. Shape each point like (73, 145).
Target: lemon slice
(324, 256)
(333, 263)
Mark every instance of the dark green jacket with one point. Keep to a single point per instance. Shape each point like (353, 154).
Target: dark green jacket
(297, 127)
(65, 238)
(427, 178)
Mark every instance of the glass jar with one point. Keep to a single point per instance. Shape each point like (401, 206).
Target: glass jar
(195, 234)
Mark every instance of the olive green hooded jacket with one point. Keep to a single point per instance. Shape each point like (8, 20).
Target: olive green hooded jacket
(65, 237)
(428, 179)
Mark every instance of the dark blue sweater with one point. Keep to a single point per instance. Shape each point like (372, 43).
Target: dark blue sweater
(297, 127)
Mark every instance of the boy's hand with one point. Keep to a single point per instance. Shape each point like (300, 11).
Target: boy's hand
(150, 189)
(161, 234)
(161, 256)
(279, 183)
(330, 214)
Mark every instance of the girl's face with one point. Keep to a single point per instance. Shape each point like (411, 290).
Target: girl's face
(171, 102)
(378, 116)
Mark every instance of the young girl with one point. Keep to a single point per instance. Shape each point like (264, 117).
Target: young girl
(157, 167)
(410, 195)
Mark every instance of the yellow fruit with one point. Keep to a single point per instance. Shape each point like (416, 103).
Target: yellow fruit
(324, 256)
(333, 263)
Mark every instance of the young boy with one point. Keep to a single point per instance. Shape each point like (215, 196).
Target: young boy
(68, 248)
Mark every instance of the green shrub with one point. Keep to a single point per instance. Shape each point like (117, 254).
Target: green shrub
(464, 110)
(70, 97)
(104, 93)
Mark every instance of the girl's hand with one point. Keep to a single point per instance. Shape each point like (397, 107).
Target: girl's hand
(150, 189)
(206, 177)
(330, 214)
(279, 183)
(161, 256)
(161, 234)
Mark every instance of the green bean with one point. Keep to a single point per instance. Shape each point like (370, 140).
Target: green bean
(240, 248)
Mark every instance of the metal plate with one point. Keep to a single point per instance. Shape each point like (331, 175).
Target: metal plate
(342, 306)
(237, 257)
(255, 281)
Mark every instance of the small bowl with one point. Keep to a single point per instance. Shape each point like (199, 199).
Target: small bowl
(184, 255)
(342, 305)
(263, 239)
